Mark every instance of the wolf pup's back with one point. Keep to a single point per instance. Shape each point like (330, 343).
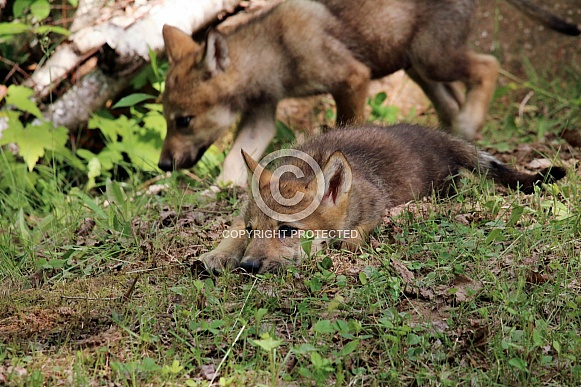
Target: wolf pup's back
(410, 161)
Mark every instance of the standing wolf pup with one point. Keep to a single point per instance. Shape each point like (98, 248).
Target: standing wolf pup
(304, 47)
(363, 172)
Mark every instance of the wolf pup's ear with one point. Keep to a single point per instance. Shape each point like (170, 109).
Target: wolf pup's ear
(338, 177)
(178, 44)
(217, 60)
(264, 175)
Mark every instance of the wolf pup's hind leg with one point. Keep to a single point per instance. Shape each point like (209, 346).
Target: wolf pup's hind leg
(446, 102)
(482, 72)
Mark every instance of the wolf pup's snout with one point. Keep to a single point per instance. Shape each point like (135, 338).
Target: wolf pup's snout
(251, 265)
(166, 163)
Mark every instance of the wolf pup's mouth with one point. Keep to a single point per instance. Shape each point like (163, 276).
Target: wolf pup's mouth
(201, 152)
(189, 162)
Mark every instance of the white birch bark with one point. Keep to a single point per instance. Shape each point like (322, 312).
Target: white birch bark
(130, 35)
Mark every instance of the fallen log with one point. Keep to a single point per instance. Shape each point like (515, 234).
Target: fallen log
(130, 35)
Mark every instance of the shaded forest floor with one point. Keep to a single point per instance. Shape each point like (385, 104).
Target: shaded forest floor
(481, 288)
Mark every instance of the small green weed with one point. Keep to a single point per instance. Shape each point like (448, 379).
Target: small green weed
(97, 285)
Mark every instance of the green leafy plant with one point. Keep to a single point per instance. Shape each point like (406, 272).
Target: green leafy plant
(379, 112)
(35, 11)
(27, 177)
(33, 139)
(269, 345)
(139, 137)
(104, 278)
(28, 17)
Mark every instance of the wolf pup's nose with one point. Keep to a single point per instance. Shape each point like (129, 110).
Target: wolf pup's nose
(251, 266)
(165, 164)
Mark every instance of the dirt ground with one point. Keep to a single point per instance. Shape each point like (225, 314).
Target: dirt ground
(514, 39)
(518, 37)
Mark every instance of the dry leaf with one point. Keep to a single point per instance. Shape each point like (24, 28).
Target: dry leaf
(462, 219)
(86, 227)
(539, 164)
(573, 137)
(406, 275)
(465, 288)
(208, 371)
(536, 278)
(397, 210)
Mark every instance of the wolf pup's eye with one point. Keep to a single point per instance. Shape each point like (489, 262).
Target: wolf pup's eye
(183, 122)
(248, 230)
(287, 231)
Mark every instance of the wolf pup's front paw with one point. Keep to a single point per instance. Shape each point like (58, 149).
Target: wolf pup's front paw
(216, 261)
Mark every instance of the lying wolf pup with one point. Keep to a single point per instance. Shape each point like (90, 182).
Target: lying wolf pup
(340, 184)
(302, 48)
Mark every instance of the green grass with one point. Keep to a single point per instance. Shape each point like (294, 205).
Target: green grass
(479, 289)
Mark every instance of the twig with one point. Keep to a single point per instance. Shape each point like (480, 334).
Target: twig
(15, 68)
(524, 83)
(219, 212)
(91, 298)
(193, 176)
(131, 287)
(226, 355)
(521, 107)
(156, 268)
(151, 181)
(245, 301)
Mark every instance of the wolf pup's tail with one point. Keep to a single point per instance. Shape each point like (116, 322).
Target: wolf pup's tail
(545, 17)
(501, 173)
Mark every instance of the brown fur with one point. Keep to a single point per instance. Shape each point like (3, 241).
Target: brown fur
(304, 47)
(366, 171)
